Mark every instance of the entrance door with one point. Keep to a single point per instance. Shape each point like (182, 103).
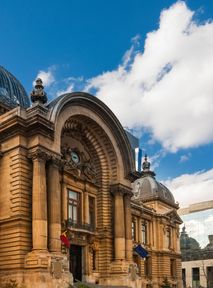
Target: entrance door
(76, 262)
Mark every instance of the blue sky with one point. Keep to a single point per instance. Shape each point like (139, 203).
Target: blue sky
(150, 61)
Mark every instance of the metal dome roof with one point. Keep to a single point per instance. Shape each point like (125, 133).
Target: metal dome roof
(12, 92)
(148, 188)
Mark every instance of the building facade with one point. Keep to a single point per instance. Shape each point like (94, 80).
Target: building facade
(197, 245)
(67, 168)
(155, 224)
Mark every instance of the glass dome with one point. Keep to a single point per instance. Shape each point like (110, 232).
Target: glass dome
(12, 92)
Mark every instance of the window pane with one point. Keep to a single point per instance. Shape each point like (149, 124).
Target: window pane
(133, 230)
(70, 212)
(144, 233)
(195, 277)
(74, 206)
(74, 213)
(73, 195)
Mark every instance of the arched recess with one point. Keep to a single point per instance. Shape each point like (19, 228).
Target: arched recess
(87, 120)
(79, 103)
(85, 135)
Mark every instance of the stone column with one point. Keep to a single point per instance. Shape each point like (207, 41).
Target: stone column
(128, 225)
(119, 232)
(39, 201)
(122, 222)
(54, 206)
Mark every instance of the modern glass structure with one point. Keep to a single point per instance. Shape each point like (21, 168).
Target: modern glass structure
(134, 141)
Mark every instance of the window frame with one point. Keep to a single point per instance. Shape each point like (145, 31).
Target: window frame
(74, 203)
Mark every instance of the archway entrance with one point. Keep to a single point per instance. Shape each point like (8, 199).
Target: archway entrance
(76, 262)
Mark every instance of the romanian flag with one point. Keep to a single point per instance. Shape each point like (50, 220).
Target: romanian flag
(141, 251)
(64, 239)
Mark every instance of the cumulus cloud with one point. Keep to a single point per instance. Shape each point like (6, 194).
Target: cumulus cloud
(166, 88)
(184, 158)
(46, 76)
(192, 188)
(68, 89)
(199, 227)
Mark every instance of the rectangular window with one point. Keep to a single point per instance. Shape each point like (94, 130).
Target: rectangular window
(184, 277)
(172, 267)
(210, 276)
(147, 267)
(195, 277)
(92, 211)
(168, 238)
(144, 233)
(74, 207)
(133, 230)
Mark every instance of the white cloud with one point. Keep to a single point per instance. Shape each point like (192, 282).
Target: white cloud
(68, 89)
(184, 158)
(156, 158)
(192, 188)
(47, 77)
(167, 88)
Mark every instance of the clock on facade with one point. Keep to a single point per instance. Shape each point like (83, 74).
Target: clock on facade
(75, 157)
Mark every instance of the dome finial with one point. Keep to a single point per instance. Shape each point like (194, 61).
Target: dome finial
(146, 164)
(146, 168)
(38, 94)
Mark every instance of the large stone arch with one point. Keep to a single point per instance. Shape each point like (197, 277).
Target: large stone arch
(79, 103)
(91, 120)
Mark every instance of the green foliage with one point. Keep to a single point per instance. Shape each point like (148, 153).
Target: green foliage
(166, 283)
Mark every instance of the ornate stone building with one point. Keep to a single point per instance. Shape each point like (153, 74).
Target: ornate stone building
(67, 166)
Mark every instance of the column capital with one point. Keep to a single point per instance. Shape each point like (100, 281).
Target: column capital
(57, 162)
(121, 189)
(39, 154)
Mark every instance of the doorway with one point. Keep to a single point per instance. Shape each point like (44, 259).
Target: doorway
(76, 262)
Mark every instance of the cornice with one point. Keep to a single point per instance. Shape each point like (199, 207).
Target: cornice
(120, 189)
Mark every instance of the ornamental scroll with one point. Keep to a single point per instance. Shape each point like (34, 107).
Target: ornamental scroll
(76, 162)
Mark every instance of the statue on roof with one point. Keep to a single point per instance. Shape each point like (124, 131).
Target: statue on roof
(146, 164)
(38, 94)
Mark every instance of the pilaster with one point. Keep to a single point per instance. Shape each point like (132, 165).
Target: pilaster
(122, 229)
(54, 205)
(39, 257)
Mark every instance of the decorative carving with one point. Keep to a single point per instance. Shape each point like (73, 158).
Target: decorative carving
(39, 154)
(77, 163)
(119, 188)
(57, 268)
(146, 164)
(94, 246)
(56, 161)
(89, 171)
(133, 271)
(38, 94)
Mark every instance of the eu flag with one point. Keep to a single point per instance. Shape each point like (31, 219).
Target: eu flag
(141, 251)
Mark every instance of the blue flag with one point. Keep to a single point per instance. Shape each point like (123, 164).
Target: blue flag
(141, 251)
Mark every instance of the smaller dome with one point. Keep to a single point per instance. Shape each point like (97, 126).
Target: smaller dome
(12, 93)
(186, 242)
(148, 188)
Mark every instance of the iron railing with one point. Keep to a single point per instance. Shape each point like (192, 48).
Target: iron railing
(70, 223)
